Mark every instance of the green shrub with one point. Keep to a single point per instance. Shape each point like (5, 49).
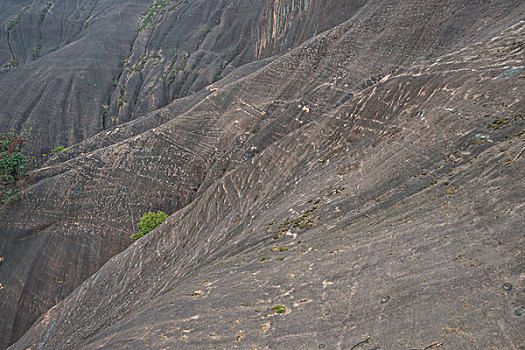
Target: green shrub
(280, 309)
(11, 158)
(148, 222)
(11, 165)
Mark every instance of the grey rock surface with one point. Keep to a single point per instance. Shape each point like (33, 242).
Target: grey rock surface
(70, 70)
(368, 180)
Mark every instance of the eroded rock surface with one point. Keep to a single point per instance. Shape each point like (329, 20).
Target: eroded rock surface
(71, 70)
(368, 181)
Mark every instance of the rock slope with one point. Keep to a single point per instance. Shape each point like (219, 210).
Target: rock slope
(364, 186)
(71, 70)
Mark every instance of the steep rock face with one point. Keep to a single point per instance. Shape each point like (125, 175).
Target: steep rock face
(197, 43)
(71, 70)
(276, 126)
(393, 220)
(58, 65)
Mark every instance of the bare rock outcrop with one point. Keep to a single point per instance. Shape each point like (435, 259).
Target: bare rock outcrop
(362, 186)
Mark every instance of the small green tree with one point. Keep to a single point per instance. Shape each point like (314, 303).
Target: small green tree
(148, 222)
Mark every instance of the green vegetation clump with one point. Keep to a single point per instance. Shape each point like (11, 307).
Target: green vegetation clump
(173, 72)
(12, 162)
(11, 165)
(11, 64)
(121, 98)
(15, 20)
(11, 158)
(155, 8)
(308, 219)
(279, 309)
(45, 10)
(304, 221)
(148, 222)
(8, 195)
(59, 149)
(498, 123)
(36, 51)
(279, 249)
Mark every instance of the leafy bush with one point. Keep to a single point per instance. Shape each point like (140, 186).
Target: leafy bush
(148, 222)
(11, 158)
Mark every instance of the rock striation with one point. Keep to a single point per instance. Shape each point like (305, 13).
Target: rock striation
(337, 174)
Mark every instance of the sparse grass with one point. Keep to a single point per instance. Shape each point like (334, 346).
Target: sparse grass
(308, 219)
(451, 191)
(12, 64)
(36, 51)
(498, 123)
(154, 57)
(180, 68)
(59, 149)
(121, 98)
(478, 140)
(279, 249)
(155, 8)
(17, 18)
(45, 10)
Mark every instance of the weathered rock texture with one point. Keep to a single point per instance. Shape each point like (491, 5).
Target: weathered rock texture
(70, 70)
(368, 180)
